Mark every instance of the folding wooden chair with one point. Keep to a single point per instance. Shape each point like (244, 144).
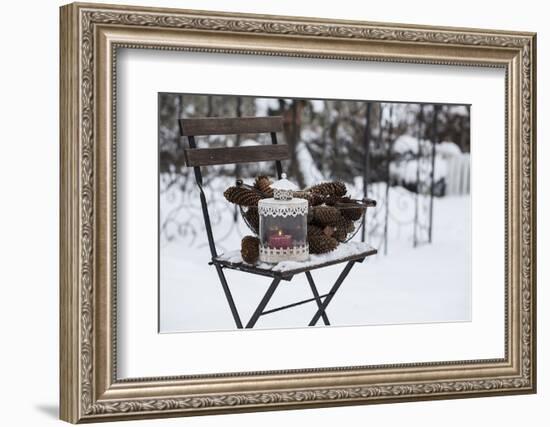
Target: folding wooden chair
(197, 157)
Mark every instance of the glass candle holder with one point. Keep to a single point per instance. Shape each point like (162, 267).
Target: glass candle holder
(283, 225)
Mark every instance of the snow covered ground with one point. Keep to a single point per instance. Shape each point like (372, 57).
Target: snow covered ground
(430, 283)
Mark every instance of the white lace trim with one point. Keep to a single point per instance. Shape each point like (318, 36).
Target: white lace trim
(283, 211)
(275, 255)
(282, 194)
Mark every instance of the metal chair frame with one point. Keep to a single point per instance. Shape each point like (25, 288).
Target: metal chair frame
(198, 157)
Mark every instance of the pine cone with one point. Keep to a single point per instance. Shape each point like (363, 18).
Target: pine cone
(263, 183)
(351, 212)
(343, 227)
(326, 215)
(335, 188)
(313, 199)
(329, 230)
(314, 231)
(250, 249)
(331, 200)
(340, 234)
(346, 224)
(321, 244)
(242, 196)
(253, 219)
(316, 199)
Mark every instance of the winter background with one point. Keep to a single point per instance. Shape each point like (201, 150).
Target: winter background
(413, 159)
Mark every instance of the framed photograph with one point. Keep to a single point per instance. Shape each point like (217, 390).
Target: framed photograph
(267, 212)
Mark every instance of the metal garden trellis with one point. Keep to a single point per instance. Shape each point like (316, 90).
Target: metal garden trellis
(386, 139)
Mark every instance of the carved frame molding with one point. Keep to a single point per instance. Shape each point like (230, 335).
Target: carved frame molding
(90, 36)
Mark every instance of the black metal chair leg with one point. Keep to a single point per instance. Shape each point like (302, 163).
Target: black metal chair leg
(317, 298)
(263, 303)
(331, 293)
(229, 297)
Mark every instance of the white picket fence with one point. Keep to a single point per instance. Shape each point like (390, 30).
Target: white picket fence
(458, 175)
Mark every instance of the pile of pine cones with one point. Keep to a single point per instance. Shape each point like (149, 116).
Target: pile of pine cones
(331, 217)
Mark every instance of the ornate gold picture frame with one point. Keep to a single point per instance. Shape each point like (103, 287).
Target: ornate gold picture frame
(90, 37)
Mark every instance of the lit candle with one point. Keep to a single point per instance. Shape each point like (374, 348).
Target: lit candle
(280, 240)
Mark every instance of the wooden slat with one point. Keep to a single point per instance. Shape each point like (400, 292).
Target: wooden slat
(230, 126)
(229, 155)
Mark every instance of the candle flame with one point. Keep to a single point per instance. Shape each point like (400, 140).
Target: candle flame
(280, 232)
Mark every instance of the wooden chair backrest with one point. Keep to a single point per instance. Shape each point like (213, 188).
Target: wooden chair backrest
(196, 157)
